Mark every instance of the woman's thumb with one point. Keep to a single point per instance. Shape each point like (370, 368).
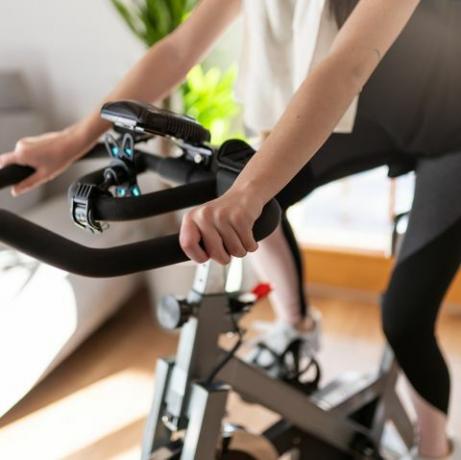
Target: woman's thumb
(7, 159)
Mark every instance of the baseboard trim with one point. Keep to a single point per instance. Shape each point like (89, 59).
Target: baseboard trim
(357, 275)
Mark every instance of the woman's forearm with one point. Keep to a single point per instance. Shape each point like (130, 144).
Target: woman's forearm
(166, 64)
(308, 121)
(151, 79)
(325, 95)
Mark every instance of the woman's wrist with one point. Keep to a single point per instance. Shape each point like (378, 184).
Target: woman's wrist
(250, 192)
(88, 130)
(86, 133)
(260, 192)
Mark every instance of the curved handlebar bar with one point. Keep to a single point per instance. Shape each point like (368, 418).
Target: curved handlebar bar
(15, 173)
(67, 255)
(199, 182)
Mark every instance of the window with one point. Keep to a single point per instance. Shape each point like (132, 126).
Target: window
(353, 213)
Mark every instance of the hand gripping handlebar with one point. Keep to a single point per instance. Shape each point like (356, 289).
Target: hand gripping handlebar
(199, 187)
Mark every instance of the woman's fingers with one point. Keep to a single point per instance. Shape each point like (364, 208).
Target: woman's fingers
(7, 159)
(204, 217)
(190, 238)
(229, 234)
(248, 240)
(223, 227)
(18, 156)
(200, 240)
(15, 158)
(233, 243)
(244, 231)
(28, 184)
(214, 245)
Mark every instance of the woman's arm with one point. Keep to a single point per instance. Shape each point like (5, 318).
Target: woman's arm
(166, 64)
(225, 224)
(153, 77)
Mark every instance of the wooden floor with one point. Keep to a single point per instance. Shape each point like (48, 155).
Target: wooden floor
(94, 405)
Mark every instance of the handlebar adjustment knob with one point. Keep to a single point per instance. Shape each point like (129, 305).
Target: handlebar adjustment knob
(172, 312)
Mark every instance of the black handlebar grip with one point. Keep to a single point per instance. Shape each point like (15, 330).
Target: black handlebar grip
(55, 250)
(11, 175)
(67, 255)
(268, 220)
(48, 247)
(200, 186)
(106, 208)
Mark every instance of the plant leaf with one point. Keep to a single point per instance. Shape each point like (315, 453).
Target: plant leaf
(177, 11)
(127, 16)
(208, 97)
(159, 16)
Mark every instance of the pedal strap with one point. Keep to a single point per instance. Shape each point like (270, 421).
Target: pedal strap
(286, 366)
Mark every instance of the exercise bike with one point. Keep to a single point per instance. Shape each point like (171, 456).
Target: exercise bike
(342, 420)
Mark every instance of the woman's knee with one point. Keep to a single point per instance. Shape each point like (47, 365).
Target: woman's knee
(395, 330)
(402, 326)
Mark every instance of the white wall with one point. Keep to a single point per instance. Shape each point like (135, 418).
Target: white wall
(72, 52)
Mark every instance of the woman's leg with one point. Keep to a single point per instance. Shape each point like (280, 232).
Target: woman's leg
(432, 441)
(410, 308)
(428, 261)
(278, 259)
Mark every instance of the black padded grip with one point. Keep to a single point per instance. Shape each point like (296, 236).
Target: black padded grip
(50, 248)
(153, 204)
(200, 186)
(178, 170)
(13, 174)
(67, 255)
(53, 249)
(151, 119)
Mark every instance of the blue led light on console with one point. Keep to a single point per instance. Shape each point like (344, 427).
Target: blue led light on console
(135, 190)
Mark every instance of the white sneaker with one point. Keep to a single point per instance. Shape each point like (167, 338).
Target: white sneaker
(277, 338)
(455, 453)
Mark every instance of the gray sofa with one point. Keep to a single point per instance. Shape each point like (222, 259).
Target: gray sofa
(45, 314)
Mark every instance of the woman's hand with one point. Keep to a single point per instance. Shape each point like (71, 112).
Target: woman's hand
(49, 154)
(221, 228)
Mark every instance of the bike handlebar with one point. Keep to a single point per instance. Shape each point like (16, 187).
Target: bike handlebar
(13, 174)
(70, 256)
(198, 187)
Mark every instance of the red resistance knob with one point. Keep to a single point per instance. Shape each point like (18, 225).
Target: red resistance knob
(261, 290)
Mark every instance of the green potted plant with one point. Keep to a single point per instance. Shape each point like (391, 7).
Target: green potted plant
(207, 95)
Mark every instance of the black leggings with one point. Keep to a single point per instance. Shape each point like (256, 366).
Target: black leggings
(409, 313)
(430, 253)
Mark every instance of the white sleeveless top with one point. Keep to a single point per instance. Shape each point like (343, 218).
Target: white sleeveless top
(283, 41)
